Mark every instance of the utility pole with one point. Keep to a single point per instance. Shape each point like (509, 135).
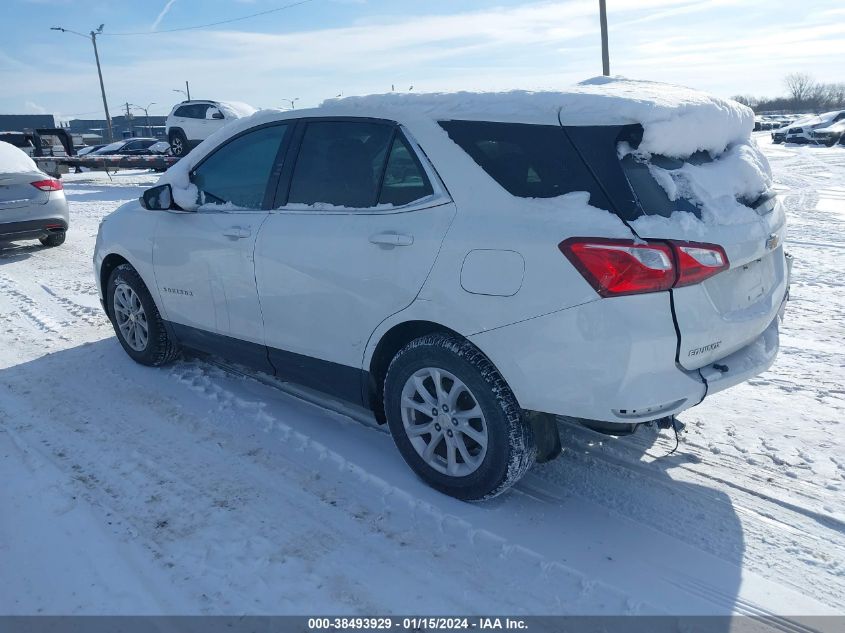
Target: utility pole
(93, 37)
(187, 90)
(605, 55)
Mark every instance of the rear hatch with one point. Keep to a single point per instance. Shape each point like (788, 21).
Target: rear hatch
(726, 312)
(16, 191)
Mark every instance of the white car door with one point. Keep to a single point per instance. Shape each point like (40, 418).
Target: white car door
(203, 259)
(195, 123)
(343, 251)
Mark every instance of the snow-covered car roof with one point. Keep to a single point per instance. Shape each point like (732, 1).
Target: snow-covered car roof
(833, 127)
(15, 161)
(677, 121)
(816, 119)
(236, 109)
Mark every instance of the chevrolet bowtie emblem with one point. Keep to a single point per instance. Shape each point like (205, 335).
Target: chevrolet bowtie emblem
(772, 241)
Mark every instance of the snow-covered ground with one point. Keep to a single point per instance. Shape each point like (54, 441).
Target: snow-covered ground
(187, 489)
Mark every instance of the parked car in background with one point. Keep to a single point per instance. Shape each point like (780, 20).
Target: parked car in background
(133, 147)
(32, 204)
(191, 122)
(801, 131)
(830, 135)
(82, 151)
(455, 276)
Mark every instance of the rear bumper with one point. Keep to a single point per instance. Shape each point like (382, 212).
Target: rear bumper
(611, 360)
(31, 229)
(745, 363)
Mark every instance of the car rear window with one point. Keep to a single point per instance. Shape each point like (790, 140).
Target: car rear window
(527, 160)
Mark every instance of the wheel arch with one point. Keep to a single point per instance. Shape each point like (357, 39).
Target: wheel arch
(110, 262)
(388, 345)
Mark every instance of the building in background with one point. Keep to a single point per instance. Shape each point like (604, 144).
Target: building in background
(27, 122)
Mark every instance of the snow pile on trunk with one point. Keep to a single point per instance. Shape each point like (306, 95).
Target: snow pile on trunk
(14, 161)
(716, 187)
(677, 121)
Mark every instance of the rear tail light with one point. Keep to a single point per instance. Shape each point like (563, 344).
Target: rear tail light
(48, 185)
(625, 267)
(697, 262)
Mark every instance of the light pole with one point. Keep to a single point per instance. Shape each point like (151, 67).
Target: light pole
(291, 102)
(146, 115)
(93, 37)
(186, 91)
(605, 55)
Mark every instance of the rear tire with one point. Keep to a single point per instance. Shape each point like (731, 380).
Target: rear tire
(136, 319)
(178, 143)
(481, 443)
(53, 239)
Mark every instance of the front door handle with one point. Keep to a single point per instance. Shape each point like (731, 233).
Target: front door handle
(237, 232)
(390, 238)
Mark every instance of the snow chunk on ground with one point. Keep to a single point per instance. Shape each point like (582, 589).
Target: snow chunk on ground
(14, 161)
(677, 121)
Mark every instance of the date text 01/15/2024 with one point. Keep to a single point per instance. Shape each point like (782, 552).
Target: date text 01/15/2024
(417, 623)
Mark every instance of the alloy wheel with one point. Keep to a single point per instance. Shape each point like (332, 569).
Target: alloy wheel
(444, 422)
(131, 318)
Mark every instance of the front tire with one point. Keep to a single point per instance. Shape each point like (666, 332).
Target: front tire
(455, 420)
(53, 239)
(136, 319)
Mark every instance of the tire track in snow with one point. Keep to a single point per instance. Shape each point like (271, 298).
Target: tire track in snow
(30, 309)
(200, 378)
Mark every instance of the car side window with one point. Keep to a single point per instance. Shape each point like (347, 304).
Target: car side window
(404, 178)
(340, 163)
(237, 173)
(182, 111)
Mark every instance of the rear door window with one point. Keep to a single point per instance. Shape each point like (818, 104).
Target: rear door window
(238, 172)
(529, 161)
(340, 163)
(405, 180)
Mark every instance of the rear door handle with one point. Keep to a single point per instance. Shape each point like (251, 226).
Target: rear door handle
(237, 232)
(390, 238)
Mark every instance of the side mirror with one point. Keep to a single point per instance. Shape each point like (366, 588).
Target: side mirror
(217, 115)
(158, 198)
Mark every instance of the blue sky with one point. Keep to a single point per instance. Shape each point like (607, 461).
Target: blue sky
(327, 47)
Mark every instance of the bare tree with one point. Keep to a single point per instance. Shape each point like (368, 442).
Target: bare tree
(800, 87)
(746, 100)
(835, 95)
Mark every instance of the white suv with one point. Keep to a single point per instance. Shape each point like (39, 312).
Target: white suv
(190, 122)
(467, 269)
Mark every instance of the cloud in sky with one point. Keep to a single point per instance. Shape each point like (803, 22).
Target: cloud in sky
(161, 15)
(726, 46)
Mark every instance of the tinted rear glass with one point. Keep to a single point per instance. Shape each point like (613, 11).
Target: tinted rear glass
(652, 197)
(529, 161)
